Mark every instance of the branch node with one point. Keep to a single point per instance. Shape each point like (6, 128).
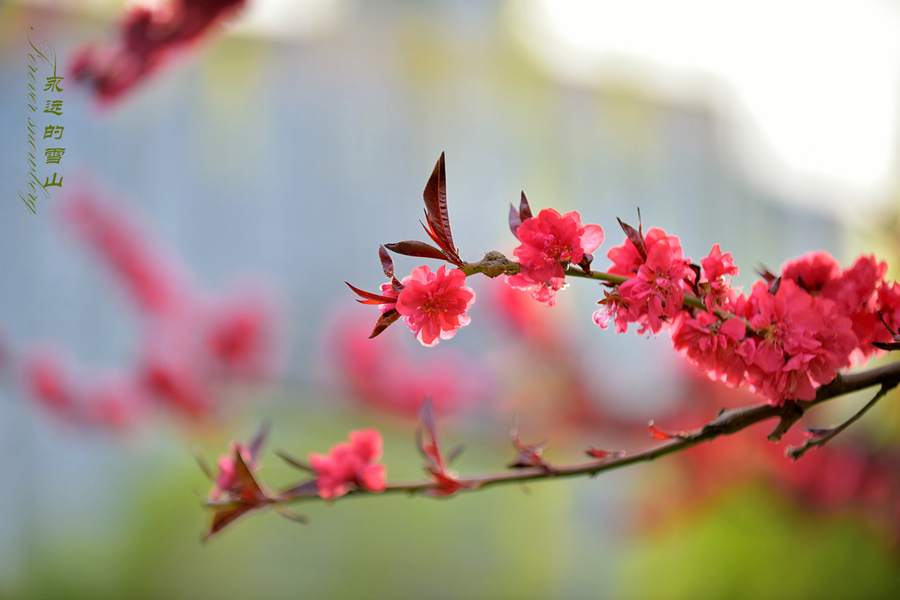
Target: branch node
(791, 412)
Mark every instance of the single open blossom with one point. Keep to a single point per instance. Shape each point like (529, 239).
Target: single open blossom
(655, 294)
(812, 271)
(614, 309)
(711, 345)
(434, 305)
(350, 464)
(627, 259)
(550, 243)
(715, 267)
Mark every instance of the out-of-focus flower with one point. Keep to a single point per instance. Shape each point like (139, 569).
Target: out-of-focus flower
(190, 343)
(154, 282)
(350, 464)
(147, 39)
(385, 376)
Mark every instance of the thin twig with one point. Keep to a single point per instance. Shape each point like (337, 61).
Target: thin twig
(727, 422)
(823, 437)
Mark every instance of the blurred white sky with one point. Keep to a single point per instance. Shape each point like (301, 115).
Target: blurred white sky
(807, 89)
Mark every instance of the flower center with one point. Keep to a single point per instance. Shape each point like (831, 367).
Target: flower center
(435, 305)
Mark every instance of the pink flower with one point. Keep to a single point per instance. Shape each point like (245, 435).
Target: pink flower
(388, 291)
(856, 294)
(614, 309)
(241, 335)
(656, 294)
(541, 291)
(711, 345)
(715, 267)
(804, 340)
(812, 271)
(434, 305)
(385, 376)
(350, 464)
(626, 258)
(550, 243)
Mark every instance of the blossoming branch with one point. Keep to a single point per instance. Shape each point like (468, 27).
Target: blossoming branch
(787, 340)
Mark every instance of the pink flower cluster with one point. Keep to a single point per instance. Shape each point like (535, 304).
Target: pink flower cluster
(550, 243)
(350, 464)
(788, 336)
(655, 292)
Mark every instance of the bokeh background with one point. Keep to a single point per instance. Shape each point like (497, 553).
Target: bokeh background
(278, 153)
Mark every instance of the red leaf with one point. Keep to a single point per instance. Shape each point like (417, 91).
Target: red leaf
(249, 489)
(436, 211)
(418, 249)
(597, 453)
(225, 516)
(384, 321)
(429, 441)
(636, 237)
(524, 208)
(516, 217)
(528, 455)
(658, 434)
(371, 298)
(387, 264)
(766, 274)
(258, 441)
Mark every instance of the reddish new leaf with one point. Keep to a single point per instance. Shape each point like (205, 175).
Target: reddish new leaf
(658, 434)
(528, 455)
(248, 488)
(766, 274)
(299, 464)
(304, 490)
(417, 249)
(436, 211)
(429, 443)
(258, 441)
(387, 264)
(597, 453)
(247, 494)
(384, 321)
(516, 217)
(636, 237)
(225, 516)
(371, 298)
